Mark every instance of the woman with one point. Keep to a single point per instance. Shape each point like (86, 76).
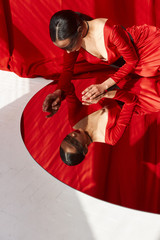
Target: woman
(105, 121)
(99, 41)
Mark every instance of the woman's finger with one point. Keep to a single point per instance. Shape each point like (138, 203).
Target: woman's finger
(84, 103)
(50, 115)
(55, 102)
(53, 112)
(55, 108)
(94, 95)
(45, 106)
(89, 102)
(87, 89)
(89, 94)
(46, 103)
(94, 100)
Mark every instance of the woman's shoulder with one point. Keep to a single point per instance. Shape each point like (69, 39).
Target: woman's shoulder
(99, 21)
(98, 24)
(105, 23)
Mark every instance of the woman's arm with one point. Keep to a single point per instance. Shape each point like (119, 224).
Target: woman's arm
(69, 61)
(108, 94)
(52, 102)
(114, 133)
(93, 91)
(118, 38)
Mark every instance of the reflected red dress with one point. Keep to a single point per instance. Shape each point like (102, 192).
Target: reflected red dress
(118, 118)
(147, 90)
(141, 57)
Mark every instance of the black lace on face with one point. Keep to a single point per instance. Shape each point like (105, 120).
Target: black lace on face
(74, 142)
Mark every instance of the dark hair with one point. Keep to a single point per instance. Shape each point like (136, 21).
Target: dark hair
(64, 24)
(72, 159)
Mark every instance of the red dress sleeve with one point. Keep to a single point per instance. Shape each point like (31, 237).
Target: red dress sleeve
(114, 133)
(124, 46)
(69, 60)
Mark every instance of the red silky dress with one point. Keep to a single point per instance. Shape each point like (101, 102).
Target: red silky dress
(127, 173)
(118, 118)
(141, 57)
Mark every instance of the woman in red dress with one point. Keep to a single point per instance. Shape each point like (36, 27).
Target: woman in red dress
(104, 121)
(99, 41)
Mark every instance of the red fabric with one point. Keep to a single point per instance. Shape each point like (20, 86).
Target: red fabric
(147, 44)
(33, 53)
(118, 119)
(130, 12)
(142, 58)
(128, 173)
(4, 46)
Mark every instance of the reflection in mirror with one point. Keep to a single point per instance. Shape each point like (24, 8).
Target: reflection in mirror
(112, 145)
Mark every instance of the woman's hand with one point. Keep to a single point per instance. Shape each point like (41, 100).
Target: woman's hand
(52, 103)
(109, 94)
(95, 90)
(93, 101)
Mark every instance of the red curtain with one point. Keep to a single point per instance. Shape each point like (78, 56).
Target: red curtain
(26, 23)
(4, 44)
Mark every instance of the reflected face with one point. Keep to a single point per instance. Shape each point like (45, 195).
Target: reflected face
(78, 138)
(80, 135)
(70, 45)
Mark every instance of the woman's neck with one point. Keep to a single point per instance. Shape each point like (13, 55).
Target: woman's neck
(94, 43)
(95, 125)
(85, 29)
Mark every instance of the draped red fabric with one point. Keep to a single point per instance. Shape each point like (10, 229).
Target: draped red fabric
(4, 45)
(33, 53)
(127, 174)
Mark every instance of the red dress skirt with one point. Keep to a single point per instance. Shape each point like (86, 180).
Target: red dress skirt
(147, 44)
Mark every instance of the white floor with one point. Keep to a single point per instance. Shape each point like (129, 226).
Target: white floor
(35, 205)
